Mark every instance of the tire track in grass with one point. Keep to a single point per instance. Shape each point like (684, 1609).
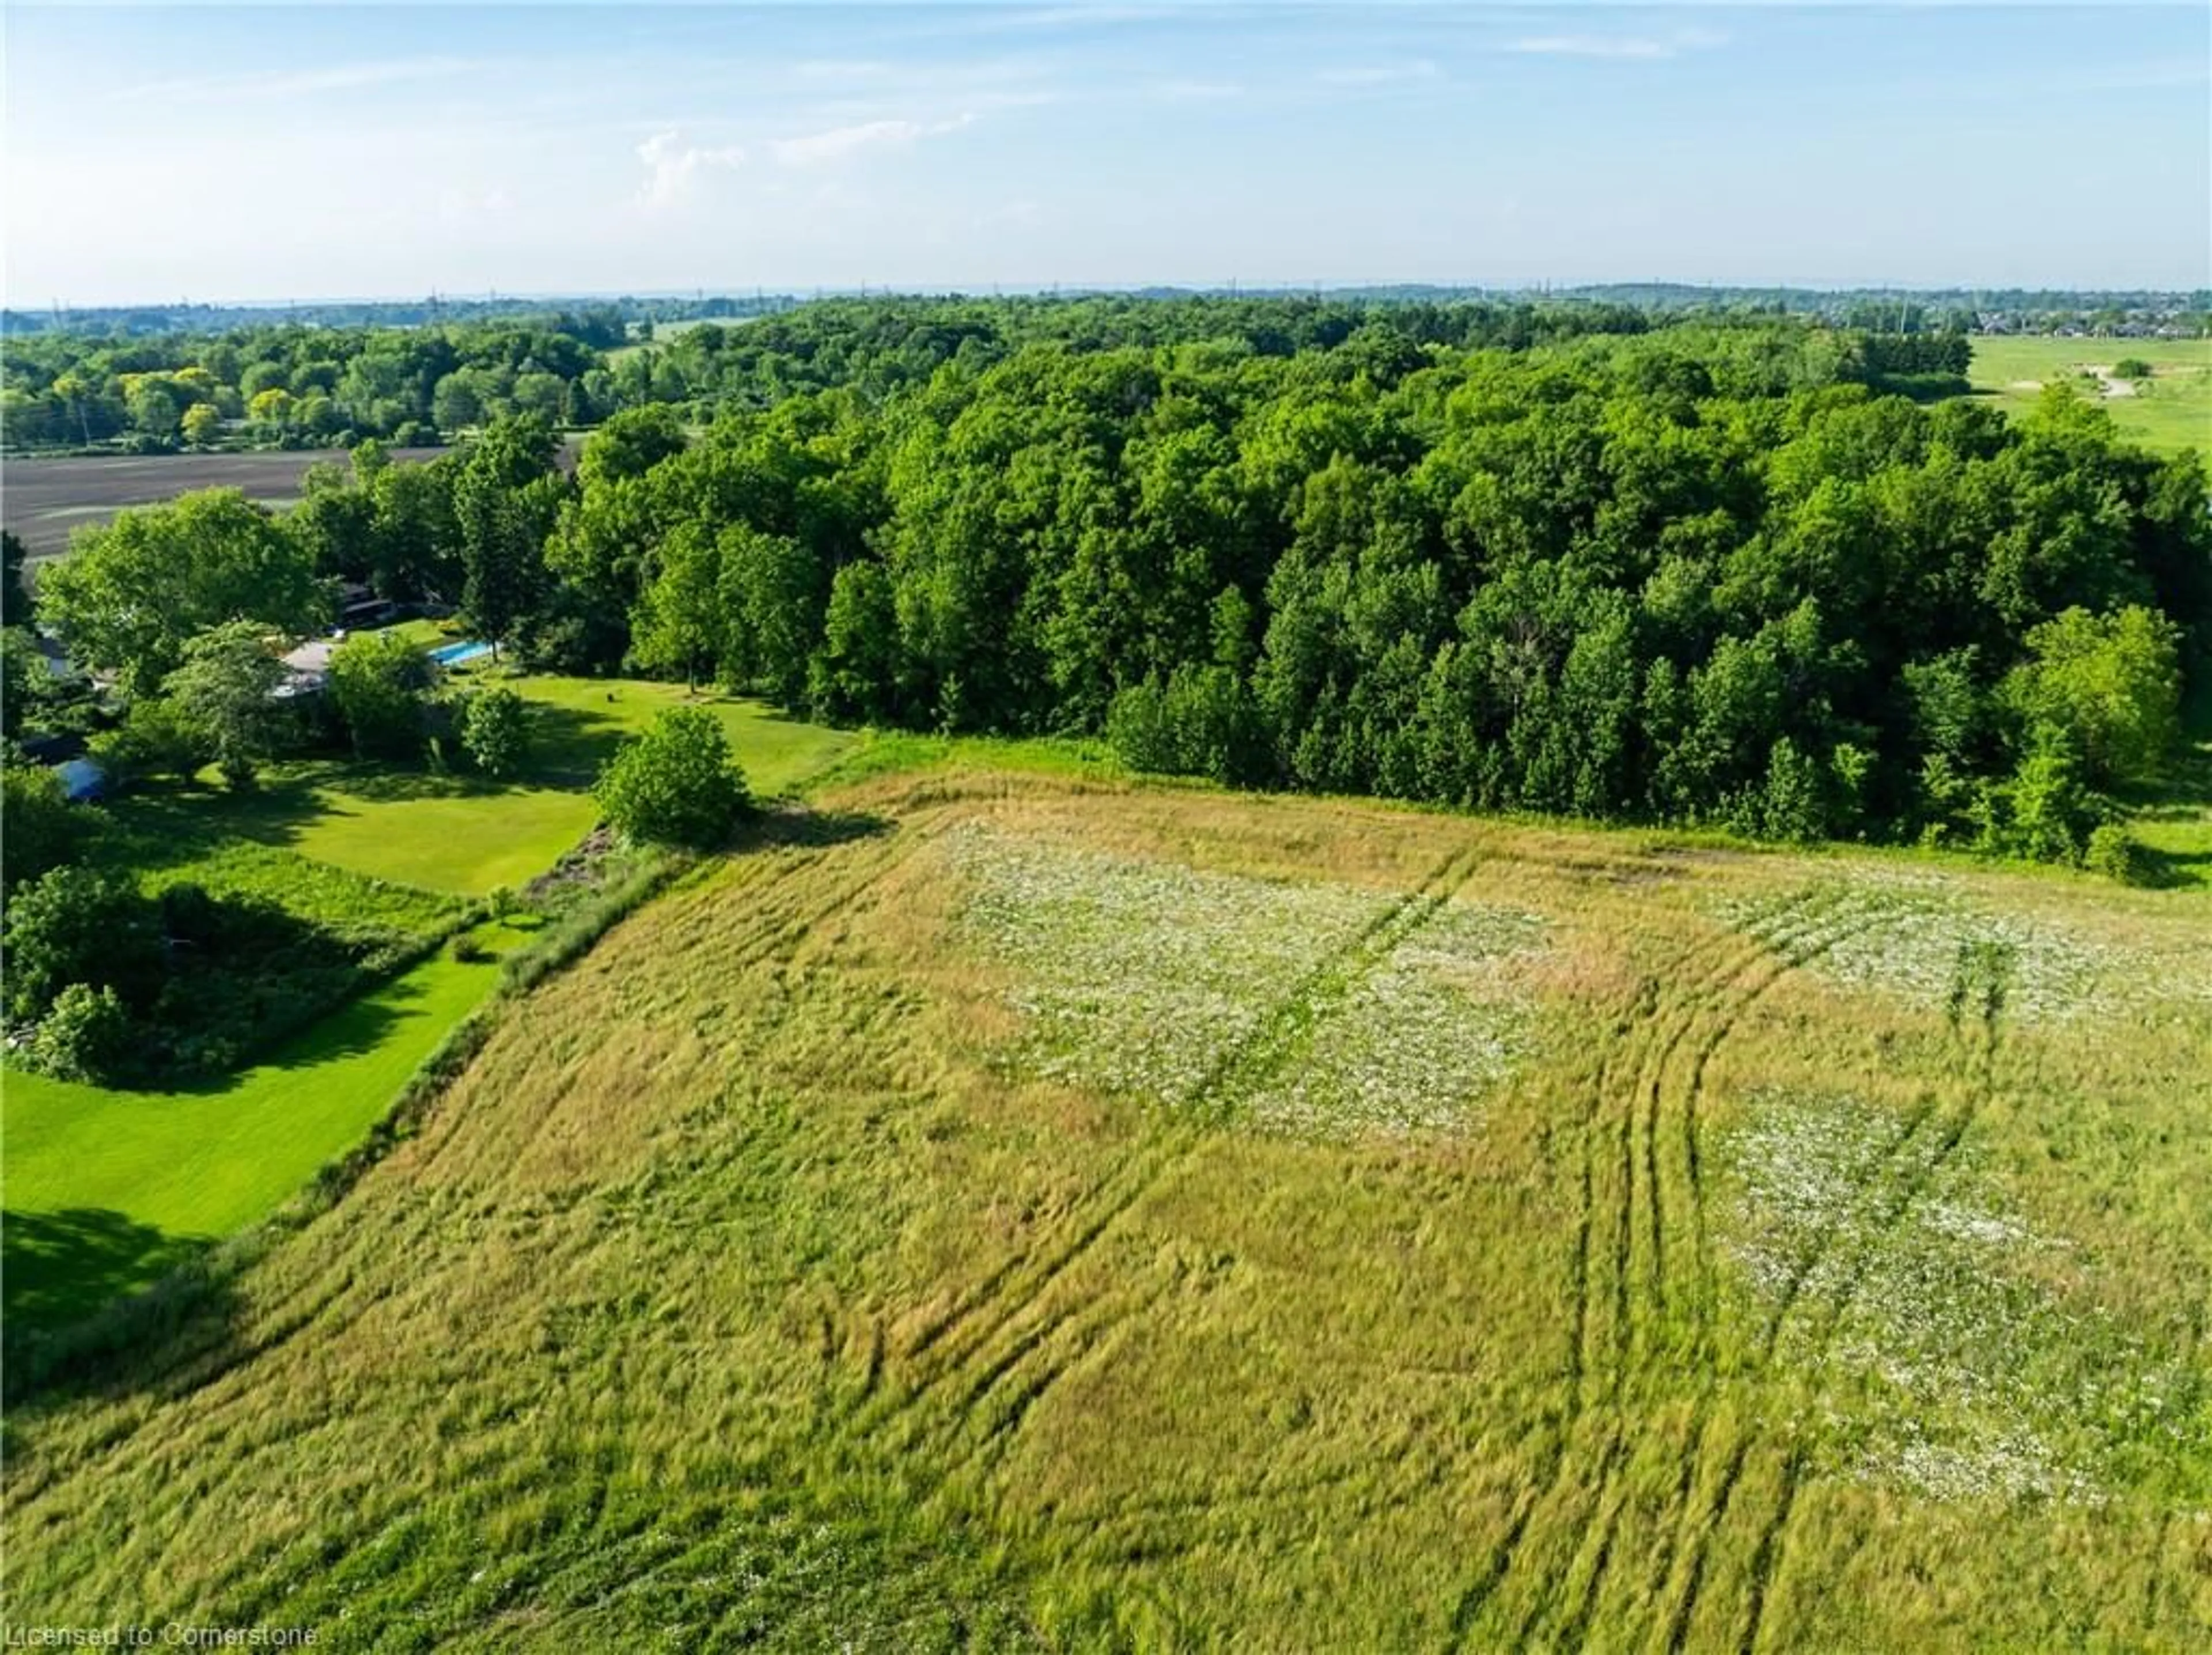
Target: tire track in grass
(1979, 1066)
(330, 1297)
(1689, 1564)
(1722, 992)
(1766, 1558)
(968, 1332)
(1730, 986)
(1703, 1353)
(1200, 1515)
(1774, 1538)
(1467, 1606)
(1979, 1057)
(1595, 1350)
(1168, 1141)
(1721, 957)
(1242, 1071)
(1686, 1601)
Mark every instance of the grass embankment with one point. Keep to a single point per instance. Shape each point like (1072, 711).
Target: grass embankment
(2169, 411)
(1041, 1211)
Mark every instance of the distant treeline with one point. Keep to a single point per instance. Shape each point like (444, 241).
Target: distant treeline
(289, 386)
(1550, 558)
(139, 321)
(1929, 309)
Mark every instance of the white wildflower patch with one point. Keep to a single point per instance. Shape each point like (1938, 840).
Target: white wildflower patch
(1314, 1009)
(1921, 939)
(1143, 978)
(2011, 1466)
(1413, 1044)
(1896, 1270)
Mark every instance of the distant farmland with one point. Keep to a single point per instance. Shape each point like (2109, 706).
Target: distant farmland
(2169, 411)
(45, 501)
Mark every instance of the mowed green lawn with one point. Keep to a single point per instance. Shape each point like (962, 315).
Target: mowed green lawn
(107, 1189)
(2169, 412)
(459, 833)
(457, 837)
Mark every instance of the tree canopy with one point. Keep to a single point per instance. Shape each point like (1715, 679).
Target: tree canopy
(130, 595)
(676, 782)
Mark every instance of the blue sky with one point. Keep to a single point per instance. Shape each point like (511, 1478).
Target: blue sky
(305, 151)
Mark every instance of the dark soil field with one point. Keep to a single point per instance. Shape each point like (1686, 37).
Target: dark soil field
(45, 501)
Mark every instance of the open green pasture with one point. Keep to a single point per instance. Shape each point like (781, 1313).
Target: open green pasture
(2169, 411)
(458, 832)
(1037, 1211)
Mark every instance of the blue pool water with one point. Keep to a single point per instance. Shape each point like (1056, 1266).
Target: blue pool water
(453, 654)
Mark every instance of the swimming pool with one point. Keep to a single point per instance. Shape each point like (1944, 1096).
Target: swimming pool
(453, 654)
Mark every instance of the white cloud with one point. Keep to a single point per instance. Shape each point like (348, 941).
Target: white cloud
(1200, 91)
(1619, 45)
(817, 149)
(1378, 73)
(294, 83)
(673, 167)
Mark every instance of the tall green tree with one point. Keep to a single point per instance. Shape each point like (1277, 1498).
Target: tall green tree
(379, 683)
(227, 688)
(506, 497)
(2110, 685)
(129, 596)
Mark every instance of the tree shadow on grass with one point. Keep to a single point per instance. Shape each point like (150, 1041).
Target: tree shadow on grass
(570, 745)
(96, 1302)
(160, 826)
(2177, 808)
(60, 1266)
(156, 826)
(353, 1028)
(782, 822)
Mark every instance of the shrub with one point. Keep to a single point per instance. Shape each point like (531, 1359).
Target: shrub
(1202, 723)
(156, 739)
(77, 925)
(2108, 684)
(2044, 811)
(378, 680)
(1137, 728)
(2118, 855)
(2131, 368)
(42, 829)
(677, 783)
(1791, 805)
(495, 730)
(226, 687)
(87, 1034)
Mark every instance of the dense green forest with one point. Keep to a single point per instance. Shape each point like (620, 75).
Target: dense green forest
(298, 385)
(1559, 559)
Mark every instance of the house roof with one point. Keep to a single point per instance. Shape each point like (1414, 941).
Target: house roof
(82, 778)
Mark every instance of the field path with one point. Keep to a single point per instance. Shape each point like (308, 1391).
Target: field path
(1644, 1314)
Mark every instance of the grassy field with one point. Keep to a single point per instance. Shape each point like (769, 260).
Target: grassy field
(1037, 1211)
(2169, 412)
(107, 1189)
(459, 833)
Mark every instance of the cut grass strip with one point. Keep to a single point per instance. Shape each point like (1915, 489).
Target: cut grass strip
(106, 1189)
